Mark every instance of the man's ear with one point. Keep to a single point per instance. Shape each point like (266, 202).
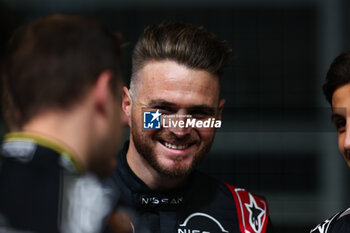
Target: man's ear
(102, 91)
(126, 106)
(221, 107)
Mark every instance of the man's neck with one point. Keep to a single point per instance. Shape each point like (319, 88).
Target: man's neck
(59, 127)
(152, 178)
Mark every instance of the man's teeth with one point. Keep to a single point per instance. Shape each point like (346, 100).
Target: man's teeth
(176, 147)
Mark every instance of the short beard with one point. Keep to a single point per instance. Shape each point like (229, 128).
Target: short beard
(148, 153)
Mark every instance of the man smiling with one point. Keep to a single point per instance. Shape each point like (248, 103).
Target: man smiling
(170, 154)
(176, 72)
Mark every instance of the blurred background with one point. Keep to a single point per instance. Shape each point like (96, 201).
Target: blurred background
(277, 139)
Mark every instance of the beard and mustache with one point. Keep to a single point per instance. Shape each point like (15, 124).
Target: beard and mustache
(145, 147)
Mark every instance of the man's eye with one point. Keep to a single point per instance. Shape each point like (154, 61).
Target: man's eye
(340, 125)
(200, 114)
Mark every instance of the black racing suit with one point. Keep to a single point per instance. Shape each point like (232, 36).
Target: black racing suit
(203, 205)
(42, 190)
(339, 223)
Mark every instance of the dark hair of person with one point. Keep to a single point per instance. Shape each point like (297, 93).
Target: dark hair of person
(337, 75)
(186, 44)
(52, 62)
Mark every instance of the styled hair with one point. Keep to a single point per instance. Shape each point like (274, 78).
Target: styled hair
(337, 75)
(54, 60)
(185, 44)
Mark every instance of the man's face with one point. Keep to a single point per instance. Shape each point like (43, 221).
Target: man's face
(174, 89)
(341, 119)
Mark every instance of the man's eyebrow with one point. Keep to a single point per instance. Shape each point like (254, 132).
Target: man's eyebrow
(203, 107)
(160, 102)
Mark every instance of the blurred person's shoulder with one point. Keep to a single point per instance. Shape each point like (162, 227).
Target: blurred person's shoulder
(338, 223)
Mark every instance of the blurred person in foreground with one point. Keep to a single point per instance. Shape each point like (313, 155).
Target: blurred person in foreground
(337, 92)
(176, 71)
(63, 87)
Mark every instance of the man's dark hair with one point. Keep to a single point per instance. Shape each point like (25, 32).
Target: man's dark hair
(337, 75)
(186, 44)
(54, 60)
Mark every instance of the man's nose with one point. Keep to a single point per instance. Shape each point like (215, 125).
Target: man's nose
(181, 129)
(180, 132)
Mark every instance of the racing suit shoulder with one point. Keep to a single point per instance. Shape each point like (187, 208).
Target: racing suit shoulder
(29, 189)
(338, 223)
(42, 190)
(251, 210)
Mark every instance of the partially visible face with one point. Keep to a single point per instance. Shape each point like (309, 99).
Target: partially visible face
(104, 160)
(174, 89)
(341, 119)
